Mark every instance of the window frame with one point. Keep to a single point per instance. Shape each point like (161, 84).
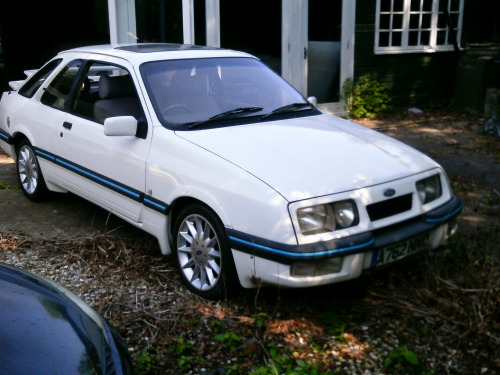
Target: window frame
(46, 71)
(61, 73)
(405, 30)
(142, 122)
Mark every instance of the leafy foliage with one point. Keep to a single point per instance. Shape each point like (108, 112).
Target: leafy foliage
(282, 363)
(260, 319)
(402, 359)
(143, 361)
(365, 98)
(230, 339)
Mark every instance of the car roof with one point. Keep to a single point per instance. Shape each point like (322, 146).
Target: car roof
(142, 52)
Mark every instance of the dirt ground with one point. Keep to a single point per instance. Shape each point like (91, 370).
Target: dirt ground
(471, 159)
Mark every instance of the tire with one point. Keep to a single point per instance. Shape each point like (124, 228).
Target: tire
(202, 253)
(29, 173)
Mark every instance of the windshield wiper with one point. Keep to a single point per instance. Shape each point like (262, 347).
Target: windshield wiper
(288, 108)
(225, 115)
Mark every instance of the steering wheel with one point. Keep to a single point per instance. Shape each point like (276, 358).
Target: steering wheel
(176, 109)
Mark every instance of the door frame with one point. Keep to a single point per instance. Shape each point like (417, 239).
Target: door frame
(295, 16)
(294, 38)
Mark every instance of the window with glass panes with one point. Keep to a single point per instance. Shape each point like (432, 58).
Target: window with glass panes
(417, 25)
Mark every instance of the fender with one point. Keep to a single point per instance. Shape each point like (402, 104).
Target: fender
(202, 196)
(25, 133)
(160, 225)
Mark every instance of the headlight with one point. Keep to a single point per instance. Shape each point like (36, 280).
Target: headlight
(429, 189)
(327, 217)
(345, 213)
(316, 219)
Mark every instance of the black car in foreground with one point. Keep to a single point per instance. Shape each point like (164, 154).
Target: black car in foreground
(46, 329)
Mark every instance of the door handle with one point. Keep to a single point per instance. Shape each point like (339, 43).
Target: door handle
(67, 125)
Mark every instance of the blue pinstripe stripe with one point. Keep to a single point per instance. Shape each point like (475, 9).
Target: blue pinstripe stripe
(146, 200)
(50, 157)
(303, 255)
(444, 218)
(158, 206)
(106, 182)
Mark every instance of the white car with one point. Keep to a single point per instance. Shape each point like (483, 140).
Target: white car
(234, 172)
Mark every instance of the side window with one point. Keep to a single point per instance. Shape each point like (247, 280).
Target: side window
(34, 83)
(57, 93)
(107, 91)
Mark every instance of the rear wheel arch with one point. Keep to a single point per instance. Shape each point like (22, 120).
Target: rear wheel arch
(29, 173)
(17, 138)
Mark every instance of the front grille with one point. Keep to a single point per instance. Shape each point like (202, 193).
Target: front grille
(390, 207)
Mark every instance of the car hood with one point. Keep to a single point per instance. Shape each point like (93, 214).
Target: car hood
(312, 156)
(43, 332)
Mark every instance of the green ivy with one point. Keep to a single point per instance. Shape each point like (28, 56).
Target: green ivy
(365, 98)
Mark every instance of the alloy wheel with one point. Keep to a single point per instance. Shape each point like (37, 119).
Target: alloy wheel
(28, 169)
(198, 252)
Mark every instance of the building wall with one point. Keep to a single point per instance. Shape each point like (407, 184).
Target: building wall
(414, 78)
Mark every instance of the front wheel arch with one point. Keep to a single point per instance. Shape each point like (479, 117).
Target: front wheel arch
(179, 203)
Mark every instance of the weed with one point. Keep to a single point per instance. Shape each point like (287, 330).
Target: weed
(230, 339)
(282, 363)
(188, 361)
(143, 362)
(331, 320)
(401, 355)
(8, 187)
(260, 319)
(425, 330)
(489, 200)
(215, 323)
(181, 347)
(403, 360)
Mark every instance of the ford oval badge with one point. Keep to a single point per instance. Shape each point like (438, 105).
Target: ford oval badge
(389, 192)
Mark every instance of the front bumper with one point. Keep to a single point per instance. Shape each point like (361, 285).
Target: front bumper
(260, 261)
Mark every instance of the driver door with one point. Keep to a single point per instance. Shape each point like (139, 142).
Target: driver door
(107, 170)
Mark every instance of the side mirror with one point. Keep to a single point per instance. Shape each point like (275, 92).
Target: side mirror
(313, 101)
(120, 126)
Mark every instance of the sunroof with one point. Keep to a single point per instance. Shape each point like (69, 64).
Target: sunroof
(161, 47)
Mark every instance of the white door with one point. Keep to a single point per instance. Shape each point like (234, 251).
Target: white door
(107, 170)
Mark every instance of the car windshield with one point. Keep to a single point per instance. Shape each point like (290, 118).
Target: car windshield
(187, 93)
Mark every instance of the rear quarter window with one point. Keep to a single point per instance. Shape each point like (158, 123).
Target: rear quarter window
(56, 94)
(34, 82)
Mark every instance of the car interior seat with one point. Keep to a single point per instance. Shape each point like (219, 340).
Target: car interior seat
(118, 97)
